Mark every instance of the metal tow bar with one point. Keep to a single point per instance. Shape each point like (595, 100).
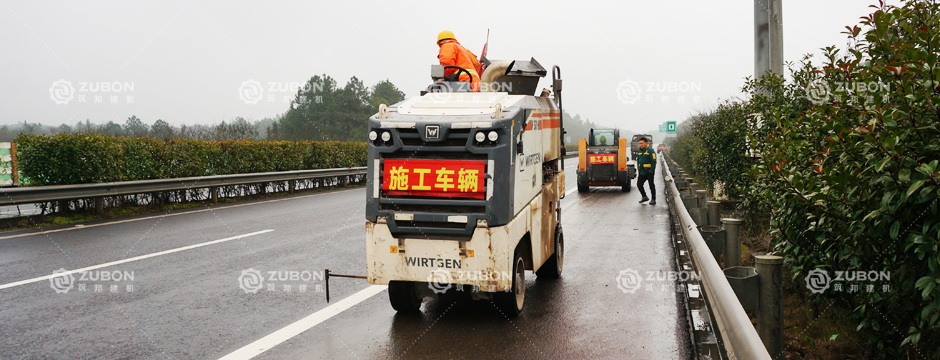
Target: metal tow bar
(327, 275)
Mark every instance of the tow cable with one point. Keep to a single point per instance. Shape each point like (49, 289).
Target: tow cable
(326, 276)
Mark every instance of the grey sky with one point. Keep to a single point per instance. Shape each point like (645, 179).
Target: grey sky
(187, 60)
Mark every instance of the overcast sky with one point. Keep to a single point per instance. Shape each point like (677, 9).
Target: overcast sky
(185, 62)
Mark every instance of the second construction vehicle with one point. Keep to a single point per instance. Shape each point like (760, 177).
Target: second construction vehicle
(464, 188)
(603, 161)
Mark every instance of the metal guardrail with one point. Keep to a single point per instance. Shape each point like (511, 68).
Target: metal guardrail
(38, 194)
(741, 340)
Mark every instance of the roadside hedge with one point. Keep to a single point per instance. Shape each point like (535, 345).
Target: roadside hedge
(89, 158)
(847, 166)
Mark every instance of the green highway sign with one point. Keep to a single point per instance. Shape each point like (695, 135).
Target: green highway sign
(662, 128)
(670, 127)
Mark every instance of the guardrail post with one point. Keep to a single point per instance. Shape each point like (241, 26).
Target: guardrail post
(64, 206)
(215, 194)
(291, 185)
(99, 205)
(714, 212)
(702, 217)
(770, 303)
(690, 203)
(732, 241)
(688, 187)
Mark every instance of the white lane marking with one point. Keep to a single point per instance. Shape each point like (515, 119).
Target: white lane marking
(286, 333)
(41, 278)
(81, 226)
(570, 191)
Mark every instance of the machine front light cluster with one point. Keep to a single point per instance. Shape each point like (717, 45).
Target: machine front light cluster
(379, 137)
(486, 137)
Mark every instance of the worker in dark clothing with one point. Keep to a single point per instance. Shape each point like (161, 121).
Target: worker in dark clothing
(646, 163)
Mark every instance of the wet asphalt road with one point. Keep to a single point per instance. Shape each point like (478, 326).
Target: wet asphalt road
(192, 303)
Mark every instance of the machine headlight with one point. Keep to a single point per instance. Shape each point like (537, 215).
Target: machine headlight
(479, 136)
(373, 135)
(492, 136)
(386, 136)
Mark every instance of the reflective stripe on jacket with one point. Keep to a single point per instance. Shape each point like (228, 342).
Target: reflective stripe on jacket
(646, 161)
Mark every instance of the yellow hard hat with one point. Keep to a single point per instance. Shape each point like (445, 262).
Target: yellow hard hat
(446, 34)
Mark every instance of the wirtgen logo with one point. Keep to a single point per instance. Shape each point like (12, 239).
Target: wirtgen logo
(432, 131)
(628, 281)
(61, 281)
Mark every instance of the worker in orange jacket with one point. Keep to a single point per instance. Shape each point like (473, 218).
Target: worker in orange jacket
(452, 53)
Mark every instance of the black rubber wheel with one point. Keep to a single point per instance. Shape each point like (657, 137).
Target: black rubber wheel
(627, 186)
(513, 301)
(583, 188)
(552, 267)
(403, 296)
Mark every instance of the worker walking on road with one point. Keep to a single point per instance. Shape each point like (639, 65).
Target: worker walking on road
(646, 162)
(452, 53)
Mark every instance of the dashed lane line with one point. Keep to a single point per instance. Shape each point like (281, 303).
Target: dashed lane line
(118, 262)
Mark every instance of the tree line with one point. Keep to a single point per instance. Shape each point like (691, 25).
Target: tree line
(322, 110)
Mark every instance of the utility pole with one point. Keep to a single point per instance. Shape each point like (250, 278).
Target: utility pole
(768, 37)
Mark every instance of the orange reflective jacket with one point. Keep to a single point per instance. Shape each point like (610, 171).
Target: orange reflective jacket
(452, 53)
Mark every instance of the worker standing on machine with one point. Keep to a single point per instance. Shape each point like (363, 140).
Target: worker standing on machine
(452, 53)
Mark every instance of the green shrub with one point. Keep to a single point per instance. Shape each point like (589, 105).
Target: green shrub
(851, 177)
(88, 158)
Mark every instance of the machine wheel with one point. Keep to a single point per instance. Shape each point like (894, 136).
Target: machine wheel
(552, 267)
(403, 296)
(626, 187)
(513, 301)
(583, 188)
